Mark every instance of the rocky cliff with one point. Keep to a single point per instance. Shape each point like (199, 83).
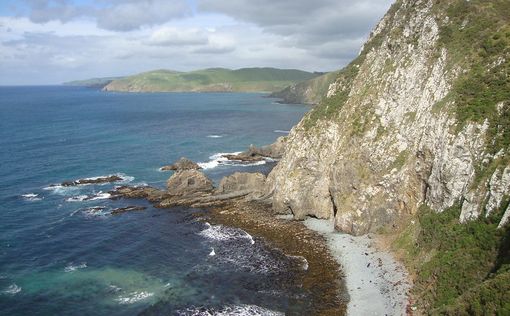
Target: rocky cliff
(412, 142)
(307, 92)
(421, 117)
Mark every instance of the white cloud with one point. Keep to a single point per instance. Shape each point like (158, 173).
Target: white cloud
(169, 36)
(74, 42)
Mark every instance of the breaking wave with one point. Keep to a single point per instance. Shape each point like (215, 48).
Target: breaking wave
(218, 159)
(134, 297)
(229, 310)
(71, 267)
(31, 197)
(12, 289)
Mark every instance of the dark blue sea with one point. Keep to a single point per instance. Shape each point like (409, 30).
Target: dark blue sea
(63, 253)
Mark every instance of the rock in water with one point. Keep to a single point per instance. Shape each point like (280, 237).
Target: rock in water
(182, 164)
(241, 182)
(98, 180)
(254, 153)
(189, 182)
(127, 209)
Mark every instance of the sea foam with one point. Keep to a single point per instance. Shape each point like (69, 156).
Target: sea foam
(31, 197)
(219, 159)
(229, 310)
(71, 267)
(222, 233)
(12, 289)
(134, 297)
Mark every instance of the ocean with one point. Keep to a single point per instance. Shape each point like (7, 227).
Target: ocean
(63, 253)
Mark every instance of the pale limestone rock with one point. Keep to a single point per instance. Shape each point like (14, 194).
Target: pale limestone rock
(499, 186)
(506, 218)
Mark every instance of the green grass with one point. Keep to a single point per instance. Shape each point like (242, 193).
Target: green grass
(213, 79)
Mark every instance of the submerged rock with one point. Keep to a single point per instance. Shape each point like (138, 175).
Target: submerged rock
(182, 164)
(127, 209)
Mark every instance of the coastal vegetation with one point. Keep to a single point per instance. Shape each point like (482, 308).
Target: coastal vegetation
(459, 268)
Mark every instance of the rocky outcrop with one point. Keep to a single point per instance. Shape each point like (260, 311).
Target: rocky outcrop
(96, 180)
(194, 188)
(151, 194)
(126, 209)
(189, 182)
(252, 182)
(387, 138)
(254, 153)
(182, 164)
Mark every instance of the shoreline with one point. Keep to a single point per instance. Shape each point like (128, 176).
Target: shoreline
(324, 278)
(377, 283)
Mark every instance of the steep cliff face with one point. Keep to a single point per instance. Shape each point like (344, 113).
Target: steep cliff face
(307, 92)
(421, 117)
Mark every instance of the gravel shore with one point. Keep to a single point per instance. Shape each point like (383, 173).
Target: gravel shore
(377, 284)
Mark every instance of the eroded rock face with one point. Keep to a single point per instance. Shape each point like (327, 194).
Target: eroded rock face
(189, 182)
(182, 164)
(141, 192)
(392, 144)
(253, 182)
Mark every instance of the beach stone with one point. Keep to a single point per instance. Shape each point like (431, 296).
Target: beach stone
(182, 164)
(189, 182)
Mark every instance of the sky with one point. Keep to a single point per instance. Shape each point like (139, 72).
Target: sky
(53, 41)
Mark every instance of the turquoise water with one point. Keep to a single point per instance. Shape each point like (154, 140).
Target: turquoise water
(63, 255)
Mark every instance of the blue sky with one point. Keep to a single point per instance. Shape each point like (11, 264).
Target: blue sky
(52, 41)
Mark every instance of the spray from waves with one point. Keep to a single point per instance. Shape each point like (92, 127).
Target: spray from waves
(223, 233)
(214, 136)
(229, 310)
(281, 131)
(70, 267)
(12, 289)
(134, 297)
(94, 197)
(31, 197)
(94, 211)
(218, 159)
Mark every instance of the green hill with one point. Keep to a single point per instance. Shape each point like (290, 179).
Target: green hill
(211, 80)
